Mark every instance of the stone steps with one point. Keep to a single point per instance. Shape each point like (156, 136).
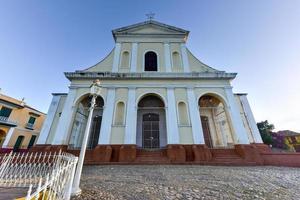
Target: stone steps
(220, 157)
(158, 156)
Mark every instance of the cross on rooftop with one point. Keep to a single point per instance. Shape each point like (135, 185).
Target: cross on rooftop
(150, 15)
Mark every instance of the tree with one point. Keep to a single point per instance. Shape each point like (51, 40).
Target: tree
(265, 131)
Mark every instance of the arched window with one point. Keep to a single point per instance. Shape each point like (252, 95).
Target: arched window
(182, 114)
(150, 61)
(176, 59)
(125, 59)
(119, 113)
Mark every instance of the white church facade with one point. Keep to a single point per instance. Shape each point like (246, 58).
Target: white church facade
(157, 102)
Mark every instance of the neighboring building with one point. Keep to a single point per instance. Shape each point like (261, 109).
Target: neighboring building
(286, 139)
(156, 95)
(20, 124)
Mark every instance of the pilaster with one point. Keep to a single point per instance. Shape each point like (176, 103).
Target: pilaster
(116, 60)
(105, 131)
(237, 123)
(133, 62)
(7, 138)
(131, 118)
(185, 60)
(251, 120)
(167, 57)
(44, 134)
(64, 123)
(194, 112)
(172, 124)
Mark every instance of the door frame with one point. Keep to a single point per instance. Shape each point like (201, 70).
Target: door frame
(206, 135)
(162, 126)
(143, 134)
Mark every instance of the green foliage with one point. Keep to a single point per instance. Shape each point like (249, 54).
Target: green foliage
(265, 131)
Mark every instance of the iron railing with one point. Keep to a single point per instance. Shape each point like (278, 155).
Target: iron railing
(8, 121)
(29, 126)
(47, 175)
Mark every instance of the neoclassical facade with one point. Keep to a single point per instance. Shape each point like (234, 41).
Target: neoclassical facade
(157, 102)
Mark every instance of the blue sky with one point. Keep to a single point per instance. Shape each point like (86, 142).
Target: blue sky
(260, 40)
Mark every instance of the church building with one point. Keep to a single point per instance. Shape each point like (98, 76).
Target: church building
(158, 103)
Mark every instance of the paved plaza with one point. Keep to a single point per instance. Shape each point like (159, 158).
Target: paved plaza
(189, 182)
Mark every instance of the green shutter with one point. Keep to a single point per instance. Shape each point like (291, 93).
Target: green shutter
(5, 112)
(31, 120)
(31, 142)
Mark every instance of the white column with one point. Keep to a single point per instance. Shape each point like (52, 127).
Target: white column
(251, 120)
(195, 117)
(7, 137)
(65, 120)
(172, 124)
(167, 57)
(108, 112)
(49, 120)
(133, 57)
(76, 189)
(185, 60)
(237, 123)
(116, 60)
(131, 118)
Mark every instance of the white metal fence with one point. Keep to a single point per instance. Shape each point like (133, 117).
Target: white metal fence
(47, 175)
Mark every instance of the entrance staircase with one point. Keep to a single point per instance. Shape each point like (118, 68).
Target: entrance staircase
(151, 156)
(219, 157)
(227, 157)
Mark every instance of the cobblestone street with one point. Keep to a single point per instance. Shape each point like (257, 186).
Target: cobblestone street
(189, 182)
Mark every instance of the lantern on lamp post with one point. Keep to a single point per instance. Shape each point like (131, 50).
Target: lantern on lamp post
(95, 90)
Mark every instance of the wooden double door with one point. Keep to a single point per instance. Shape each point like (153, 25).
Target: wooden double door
(151, 132)
(150, 128)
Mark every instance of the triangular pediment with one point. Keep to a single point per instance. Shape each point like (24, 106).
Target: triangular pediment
(150, 27)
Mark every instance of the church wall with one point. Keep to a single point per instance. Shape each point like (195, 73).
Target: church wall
(52, 131)
(161, 92)
(244, 119)
(148, 39)
(175, 47)
(185, 131)
(117, 135)
(80, 92)
(214, 90)
(185, 135)
(104, 65)
(196, 65)
(118, 130)
(125, 47)
(158, 48)
(211, 84)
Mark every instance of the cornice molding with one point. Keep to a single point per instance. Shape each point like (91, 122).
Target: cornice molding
(82, 75)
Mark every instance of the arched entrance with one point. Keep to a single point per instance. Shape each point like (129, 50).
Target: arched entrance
(215, 122)
(2, 137)
(80, 121)
(151, 123)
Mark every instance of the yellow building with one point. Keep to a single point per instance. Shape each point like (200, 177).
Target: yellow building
(20, 124)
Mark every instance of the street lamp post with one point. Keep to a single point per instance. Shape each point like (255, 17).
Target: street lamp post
(95, 91)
